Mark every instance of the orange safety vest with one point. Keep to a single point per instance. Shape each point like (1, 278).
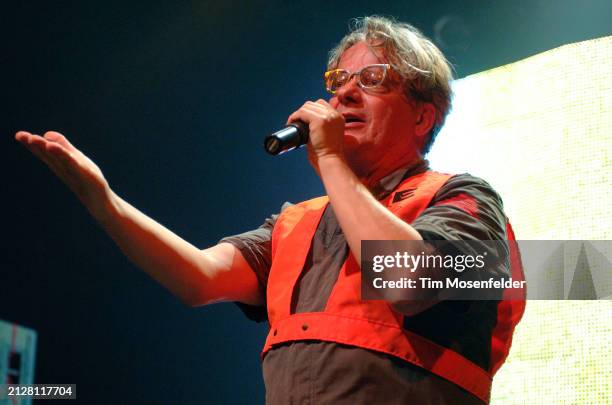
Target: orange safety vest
(368, 324)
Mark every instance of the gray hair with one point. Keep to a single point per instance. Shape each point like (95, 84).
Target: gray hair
(424, 71)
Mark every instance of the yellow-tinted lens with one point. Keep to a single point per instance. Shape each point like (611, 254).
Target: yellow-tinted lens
(369, 77)
(334, 79)
(372, 76)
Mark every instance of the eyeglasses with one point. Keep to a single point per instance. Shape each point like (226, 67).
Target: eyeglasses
(369, 77)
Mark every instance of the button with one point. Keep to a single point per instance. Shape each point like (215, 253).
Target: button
(275, 332)
(305, 326)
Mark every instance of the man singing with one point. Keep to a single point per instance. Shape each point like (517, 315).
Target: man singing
(389, 94)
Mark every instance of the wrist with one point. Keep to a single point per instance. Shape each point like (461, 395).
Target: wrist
(330, 160)
(335, 172)
(105, 207)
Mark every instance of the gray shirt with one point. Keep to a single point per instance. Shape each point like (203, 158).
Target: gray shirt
(312, 372)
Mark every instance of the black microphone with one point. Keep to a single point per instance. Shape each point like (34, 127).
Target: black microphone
(291, 137)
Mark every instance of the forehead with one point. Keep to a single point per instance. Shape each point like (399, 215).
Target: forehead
(358, 56)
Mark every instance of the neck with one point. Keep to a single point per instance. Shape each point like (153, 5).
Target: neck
(375, 173)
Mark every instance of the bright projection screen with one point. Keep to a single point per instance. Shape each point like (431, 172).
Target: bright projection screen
(540, 132)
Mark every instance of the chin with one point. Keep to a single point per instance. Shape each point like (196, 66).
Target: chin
(351, 142)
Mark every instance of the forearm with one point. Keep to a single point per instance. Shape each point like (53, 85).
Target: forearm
(362, 217)
(196, 277)
(359, 214)
(191, 274)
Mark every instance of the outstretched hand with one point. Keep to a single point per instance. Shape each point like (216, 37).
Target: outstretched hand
(75, 169)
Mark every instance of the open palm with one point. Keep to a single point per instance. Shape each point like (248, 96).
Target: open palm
(75, 169)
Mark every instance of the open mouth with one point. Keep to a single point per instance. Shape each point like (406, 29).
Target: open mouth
(353, 120)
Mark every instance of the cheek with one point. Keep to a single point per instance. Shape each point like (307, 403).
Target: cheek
(333, 101)
(382, 119)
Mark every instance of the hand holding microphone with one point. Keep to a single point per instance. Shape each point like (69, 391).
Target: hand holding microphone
(291, 137)
(318, 124)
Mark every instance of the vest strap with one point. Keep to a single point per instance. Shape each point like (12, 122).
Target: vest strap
(384, 338)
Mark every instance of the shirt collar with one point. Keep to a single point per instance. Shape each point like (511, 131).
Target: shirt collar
(388, 183)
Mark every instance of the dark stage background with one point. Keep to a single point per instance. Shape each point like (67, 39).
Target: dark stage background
(172, 101)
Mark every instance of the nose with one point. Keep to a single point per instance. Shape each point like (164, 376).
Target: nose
(350, 93)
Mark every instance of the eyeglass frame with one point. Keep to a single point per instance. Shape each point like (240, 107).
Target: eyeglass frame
(358, 74)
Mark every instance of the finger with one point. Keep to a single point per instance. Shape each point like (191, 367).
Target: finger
(58, 150)
(299, 115)
(59, 138)
(62, 163)
(317, 109)
(41, 147)
(63, 159)
(36, 141)
(56, 157)
(52, 162)
(53, 154)
(25, 138)
(324, 103)
(41, 143)
(322, 110)
(314, 104)
(21, 136)
(322, 114)
(34, 144)
(37, 151)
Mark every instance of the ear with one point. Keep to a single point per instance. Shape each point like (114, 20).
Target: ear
(426, 119)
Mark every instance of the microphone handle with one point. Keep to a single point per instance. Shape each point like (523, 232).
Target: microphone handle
(291, 137)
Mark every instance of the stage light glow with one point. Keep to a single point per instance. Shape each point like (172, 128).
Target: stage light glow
(540, 131)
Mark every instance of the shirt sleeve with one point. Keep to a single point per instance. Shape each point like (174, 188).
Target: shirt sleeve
(256, 248)
(464, 208)
(467, 208)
